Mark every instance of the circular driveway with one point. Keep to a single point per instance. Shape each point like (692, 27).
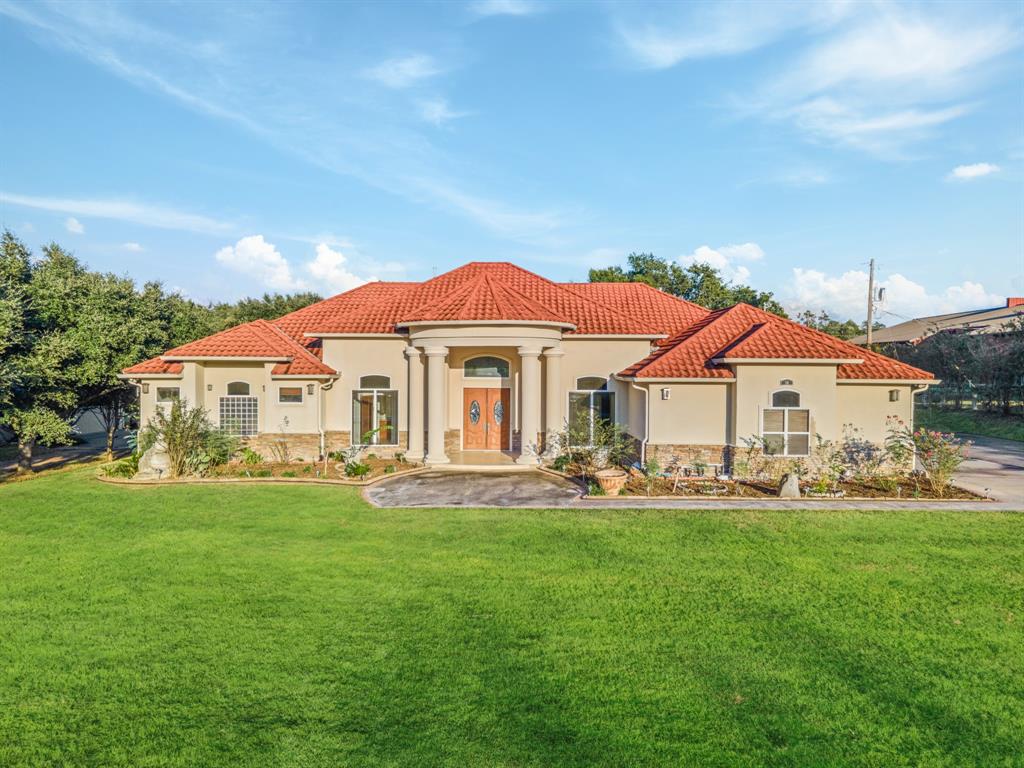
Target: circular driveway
(474, 489)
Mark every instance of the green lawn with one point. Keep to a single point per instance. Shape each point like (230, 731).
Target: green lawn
(974, 422)
(283, 626)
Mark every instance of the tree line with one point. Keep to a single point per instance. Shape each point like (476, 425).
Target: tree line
(66, 332)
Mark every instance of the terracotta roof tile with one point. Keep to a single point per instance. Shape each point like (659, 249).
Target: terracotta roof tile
(154, 365)
(667, 313)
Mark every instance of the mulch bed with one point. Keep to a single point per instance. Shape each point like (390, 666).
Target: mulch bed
(311, 470)
(712, 488)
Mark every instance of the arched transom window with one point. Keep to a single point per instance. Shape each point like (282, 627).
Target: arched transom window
(239, 388)
(486, 367)
(786, 427)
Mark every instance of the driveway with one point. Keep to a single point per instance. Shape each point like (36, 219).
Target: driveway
(995, 468)
(474, 489)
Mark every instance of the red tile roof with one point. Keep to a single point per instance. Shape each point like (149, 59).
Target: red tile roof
(258, 339)
(155, 366)
(743, 332)
(489, 291)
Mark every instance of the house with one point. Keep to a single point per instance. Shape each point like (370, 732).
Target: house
(975, 321)
(491, 357)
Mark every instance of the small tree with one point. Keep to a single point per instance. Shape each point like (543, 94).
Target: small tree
(193, 445)
(584, 451)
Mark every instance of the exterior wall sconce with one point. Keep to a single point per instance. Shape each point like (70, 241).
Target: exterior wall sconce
(666, 393)
(309, 389)
(894, 395)
(145, 387)
(209, 387)
(786, 383)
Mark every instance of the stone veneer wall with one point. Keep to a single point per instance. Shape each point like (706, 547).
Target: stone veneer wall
(665, 453)
(306, 445)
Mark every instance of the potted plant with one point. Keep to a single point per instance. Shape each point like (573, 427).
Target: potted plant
(611, 480)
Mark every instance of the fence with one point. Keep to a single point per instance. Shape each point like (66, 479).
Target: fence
(1004, 399)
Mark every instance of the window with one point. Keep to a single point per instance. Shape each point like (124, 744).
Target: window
(786, 427)
(238, 388)
(375, 412)
(486, 367)
(375, 382)
(239, 414)
(589, 404)
(289, 395)
(167, 394)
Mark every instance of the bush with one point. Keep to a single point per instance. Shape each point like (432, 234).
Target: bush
(263, 473)
(389, 469)
(127, 467)
(939, 453)
(289, 473)
(583, 453)
(356, 469)
(250, 458)
(192, 443)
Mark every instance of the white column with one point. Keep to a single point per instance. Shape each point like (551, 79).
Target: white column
(530, 419)
(415, 452)
(435, 405)
(552, 398)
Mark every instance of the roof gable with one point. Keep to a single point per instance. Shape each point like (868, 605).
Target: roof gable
(484, 298)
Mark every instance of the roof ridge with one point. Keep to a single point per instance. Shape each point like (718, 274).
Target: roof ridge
(280, 334)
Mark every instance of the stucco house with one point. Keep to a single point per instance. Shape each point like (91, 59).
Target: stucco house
(492, 357)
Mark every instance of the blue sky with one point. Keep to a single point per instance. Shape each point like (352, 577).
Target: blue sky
(227, 149)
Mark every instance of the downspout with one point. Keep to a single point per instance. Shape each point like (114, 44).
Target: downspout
(647, 420)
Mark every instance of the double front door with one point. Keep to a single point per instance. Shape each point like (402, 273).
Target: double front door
(485, 419)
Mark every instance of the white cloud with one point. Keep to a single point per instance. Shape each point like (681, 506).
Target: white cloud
(74, 226)
(724, 259)
(845, 295)
(403, 72)
(255, 257)
(133, 247)
(120, 210)
(437, 112)
(504, 8)
(329, 269)
(973, 171)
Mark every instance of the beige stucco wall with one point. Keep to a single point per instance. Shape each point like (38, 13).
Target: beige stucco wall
(694, 413)
(815, 383)
(604, 357)
(357, 357)
(867, 406)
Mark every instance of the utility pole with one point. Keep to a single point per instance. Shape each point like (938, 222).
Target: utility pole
(871, 299)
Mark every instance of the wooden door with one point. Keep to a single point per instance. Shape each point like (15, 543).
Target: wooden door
(485, 419)
(474, 418)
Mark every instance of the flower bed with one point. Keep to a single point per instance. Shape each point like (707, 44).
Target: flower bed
(335, 470)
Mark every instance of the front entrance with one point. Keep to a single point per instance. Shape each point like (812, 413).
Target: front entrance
(485, 418)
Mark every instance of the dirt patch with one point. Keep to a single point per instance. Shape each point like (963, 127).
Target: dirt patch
(332, 470)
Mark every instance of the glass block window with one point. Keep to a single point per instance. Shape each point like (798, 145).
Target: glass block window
(786, 427)
(239, 415)
(486, 366)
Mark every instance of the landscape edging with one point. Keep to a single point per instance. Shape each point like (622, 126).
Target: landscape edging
(280, 480)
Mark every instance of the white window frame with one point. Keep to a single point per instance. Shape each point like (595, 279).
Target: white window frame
(171, 400)
(302, 394)
(357, 436)
(786, 432)
(591, 408)
(256, 416)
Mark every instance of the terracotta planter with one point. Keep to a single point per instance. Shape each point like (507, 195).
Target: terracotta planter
(611, 480)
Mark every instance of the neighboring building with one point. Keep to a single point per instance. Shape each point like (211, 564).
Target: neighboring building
(477, 358)
(975, 321)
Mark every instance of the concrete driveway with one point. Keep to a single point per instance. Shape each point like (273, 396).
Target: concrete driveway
(995, 468)
(530, 488)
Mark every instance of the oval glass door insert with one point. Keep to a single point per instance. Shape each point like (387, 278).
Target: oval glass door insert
(474, 412)
(499, 412)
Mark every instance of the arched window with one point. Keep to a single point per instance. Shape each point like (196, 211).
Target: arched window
(785, 398)
(375, 411)
(591, 383)
(239, 413)
(486, 366)
(786, 427)
(375, 382)
(589, 404)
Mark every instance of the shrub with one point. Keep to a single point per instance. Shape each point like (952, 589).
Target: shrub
(250, 458)
(651, 470)
(289, 473)
(940, 454)
(280, 452)
(586, 453)
(192, 443)
(356, 469)
(126, 467)
(307, 469)
(263, 473)
(389, 469)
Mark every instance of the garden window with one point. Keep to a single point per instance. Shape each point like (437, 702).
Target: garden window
(167, 394)
(589, 404)
(786, 427)
(375, 412)
(289, 395)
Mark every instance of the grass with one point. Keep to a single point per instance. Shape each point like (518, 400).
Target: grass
(974, 422)
(283, 626)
